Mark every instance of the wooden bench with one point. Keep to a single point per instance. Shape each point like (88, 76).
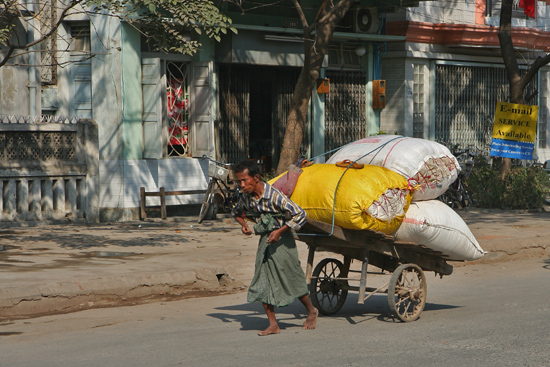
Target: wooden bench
(162, 193)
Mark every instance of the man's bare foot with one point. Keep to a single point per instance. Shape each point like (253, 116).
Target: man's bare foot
(270, 330)
(311, 320)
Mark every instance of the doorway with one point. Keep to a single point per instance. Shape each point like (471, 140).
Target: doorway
(254, 106)
(261, 118)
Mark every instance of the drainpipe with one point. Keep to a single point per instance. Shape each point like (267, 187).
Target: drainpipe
(32, 62)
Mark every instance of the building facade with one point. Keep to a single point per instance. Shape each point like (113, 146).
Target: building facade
(158, 114)
(444, 80)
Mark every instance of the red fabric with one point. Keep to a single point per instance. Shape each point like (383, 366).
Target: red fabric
(286, 183)
(528, 7)
(177, 108)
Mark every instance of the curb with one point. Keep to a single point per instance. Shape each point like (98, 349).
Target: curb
(32, 301)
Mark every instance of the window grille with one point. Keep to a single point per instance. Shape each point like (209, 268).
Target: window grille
(418, 101)
(543, 109)
(49, 47)
(177, 98)
(465, 102)
(345, 117)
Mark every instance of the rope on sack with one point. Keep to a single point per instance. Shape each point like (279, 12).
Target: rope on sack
(338, 183)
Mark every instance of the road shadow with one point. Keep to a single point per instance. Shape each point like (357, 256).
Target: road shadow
(127, 234)
(252, 317)
(124, 235)
(71, 239)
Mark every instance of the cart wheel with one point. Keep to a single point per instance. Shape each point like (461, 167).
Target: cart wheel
(407, 292)
(208, 207)
(325, 289)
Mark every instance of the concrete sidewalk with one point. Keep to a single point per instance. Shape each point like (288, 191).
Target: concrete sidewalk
(68, 267)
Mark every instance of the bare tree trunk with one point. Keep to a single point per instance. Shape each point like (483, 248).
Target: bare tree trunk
(314, 51)
(517, 83)
(316, 40)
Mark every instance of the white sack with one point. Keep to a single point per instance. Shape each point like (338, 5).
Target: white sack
(428, 166)
(435, 225)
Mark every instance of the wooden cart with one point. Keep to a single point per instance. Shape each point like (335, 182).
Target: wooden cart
(329, 281)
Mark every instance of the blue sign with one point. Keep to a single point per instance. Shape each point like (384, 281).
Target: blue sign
(512, 149)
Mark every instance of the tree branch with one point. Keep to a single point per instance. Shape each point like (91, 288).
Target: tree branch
(54, 28)
(7, 56)
(533, 70)
(12, 47)
(301, 14)
(321, 10)
(86, 57)
(342, 4)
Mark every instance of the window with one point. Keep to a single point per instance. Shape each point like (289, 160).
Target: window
(165, 93)
(493, 9)
(177, 98)
(343, 57)
(280, 8)
(80, 37)
(80, 69)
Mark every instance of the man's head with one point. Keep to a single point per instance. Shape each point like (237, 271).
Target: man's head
(249, 165)
(248, 176)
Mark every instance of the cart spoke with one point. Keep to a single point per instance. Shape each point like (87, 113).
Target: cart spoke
(326, 290)
(407, 292)
(330, 299)
(333, 269)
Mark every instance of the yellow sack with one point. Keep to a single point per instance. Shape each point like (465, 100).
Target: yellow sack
(372, 197)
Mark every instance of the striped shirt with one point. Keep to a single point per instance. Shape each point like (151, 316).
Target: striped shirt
(275, 202)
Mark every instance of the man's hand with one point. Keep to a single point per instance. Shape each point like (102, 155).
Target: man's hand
(276, 234)
(247, 231)
(244, 227)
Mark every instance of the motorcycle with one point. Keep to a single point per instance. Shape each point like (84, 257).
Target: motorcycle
(457, 195)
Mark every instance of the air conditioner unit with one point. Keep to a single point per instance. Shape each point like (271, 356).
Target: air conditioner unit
(365, 20)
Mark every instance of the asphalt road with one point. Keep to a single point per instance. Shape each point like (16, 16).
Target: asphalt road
(483, 315)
